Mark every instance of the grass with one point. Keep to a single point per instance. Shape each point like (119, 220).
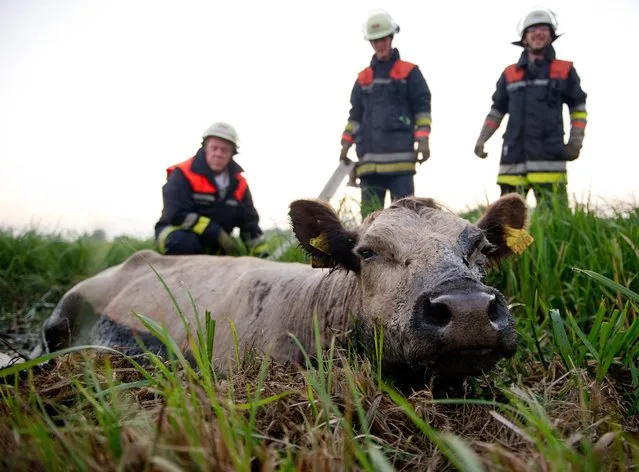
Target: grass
(36, 269)
(568, 400)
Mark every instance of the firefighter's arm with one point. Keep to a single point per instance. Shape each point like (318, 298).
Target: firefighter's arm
(180, 209)
(250, 229)
(494, 117)
(419, 99)
(250, 232)
(354, 119)
(575, 98)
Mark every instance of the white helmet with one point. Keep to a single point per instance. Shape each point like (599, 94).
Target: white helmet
(222, 130)
(538, 16)
(379, 24)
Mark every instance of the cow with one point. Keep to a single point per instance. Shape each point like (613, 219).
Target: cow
(413, 271)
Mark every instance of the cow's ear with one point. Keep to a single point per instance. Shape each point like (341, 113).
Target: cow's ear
(322, 235)
(505, 223)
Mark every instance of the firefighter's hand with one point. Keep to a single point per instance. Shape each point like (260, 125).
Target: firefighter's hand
(343, 154)
(479, 150)
(225, 241)
(572, 150)
(423, 148)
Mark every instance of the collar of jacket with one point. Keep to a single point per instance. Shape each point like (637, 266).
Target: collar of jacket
(549, 55)
(200, 166)
(393, 58)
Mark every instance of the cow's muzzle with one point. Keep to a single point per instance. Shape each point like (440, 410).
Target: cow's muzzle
(470, 328)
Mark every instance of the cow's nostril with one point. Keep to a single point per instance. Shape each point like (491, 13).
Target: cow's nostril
(493, 309)
(437, 313)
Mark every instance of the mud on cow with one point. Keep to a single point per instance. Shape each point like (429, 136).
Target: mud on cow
(414, 270)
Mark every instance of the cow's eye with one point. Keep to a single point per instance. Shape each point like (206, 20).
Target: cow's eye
(488, 249)
(366, 254)
(479, 255)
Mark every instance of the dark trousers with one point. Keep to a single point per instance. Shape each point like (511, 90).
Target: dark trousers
(374, 188)
(182, 242)
(545, 194)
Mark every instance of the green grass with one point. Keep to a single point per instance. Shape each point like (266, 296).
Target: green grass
(33, 265)
(568, 400)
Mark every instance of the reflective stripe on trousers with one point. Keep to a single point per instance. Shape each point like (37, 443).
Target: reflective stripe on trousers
(533, 178)
(386, 163)
(532, 166)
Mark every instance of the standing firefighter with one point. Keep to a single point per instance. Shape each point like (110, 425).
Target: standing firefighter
(390, 110)
(205, 198)
(533, 92)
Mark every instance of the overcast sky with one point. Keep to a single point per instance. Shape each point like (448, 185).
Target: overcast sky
(98, 97)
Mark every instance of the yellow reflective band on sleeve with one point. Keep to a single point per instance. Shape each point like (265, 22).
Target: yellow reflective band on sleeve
(579, 115)
(351, 127)
(201, 225)
(424, 121)
(514, 180)
(163, 235)
(373, 167)
(547, 177)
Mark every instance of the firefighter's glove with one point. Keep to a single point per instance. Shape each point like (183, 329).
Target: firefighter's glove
(423, 149)
(479, 150)
(572, 152)
(493, 120)
(226, 243)
(343, 155)
(575, 142)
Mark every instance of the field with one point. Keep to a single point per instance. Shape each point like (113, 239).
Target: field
(568, 400)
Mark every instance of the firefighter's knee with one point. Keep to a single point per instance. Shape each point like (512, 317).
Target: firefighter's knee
(182, 242)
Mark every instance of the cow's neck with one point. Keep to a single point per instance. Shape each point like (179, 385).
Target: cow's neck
(334, 298)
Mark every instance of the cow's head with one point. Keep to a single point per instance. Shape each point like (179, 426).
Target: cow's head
(420, 271)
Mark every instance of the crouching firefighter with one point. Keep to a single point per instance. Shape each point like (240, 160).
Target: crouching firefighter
(533, 92)
(205, 198)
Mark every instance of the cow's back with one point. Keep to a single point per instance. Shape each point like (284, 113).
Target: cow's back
(264, 300)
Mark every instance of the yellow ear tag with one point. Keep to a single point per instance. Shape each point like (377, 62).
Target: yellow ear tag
(320, 243)
(517, 239)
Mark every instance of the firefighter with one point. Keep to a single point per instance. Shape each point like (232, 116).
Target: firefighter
(205, 198)
(533, 92)
(390, 111)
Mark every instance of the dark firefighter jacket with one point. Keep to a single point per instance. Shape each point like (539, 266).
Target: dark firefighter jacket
(390, 110)
(533, 95)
